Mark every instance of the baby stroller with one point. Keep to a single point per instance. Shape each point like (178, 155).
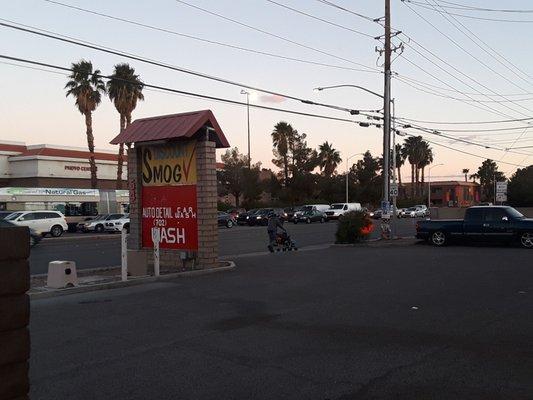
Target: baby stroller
(284, 242)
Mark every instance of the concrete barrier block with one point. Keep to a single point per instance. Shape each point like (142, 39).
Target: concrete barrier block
(15, 382)
(15, 243)
(14, 312)
(14, 346)
(14, 277)
(62, 274)
(138, 262)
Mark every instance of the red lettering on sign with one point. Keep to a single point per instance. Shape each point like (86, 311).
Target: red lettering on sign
(172, 210)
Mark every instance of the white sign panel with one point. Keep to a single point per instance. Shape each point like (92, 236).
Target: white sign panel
(393, 191)
(501, 187)
(501, 197)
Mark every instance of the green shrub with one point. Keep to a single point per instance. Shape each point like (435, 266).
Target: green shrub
(353, 227)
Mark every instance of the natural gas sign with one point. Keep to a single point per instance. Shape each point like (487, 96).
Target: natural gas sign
(169, 198)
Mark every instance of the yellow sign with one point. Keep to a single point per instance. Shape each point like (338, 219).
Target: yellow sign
(169, 165)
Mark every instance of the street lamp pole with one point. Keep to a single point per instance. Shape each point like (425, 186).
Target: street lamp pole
(429, 183)
(248, 120)
(348, 172)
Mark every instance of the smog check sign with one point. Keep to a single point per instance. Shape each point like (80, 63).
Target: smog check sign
(169, 197)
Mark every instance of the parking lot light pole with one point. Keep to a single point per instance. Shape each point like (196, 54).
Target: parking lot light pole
(348, 172)
(429, 184)
(248, 119)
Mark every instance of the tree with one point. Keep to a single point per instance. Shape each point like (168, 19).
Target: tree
(488, 174)
(328, 159)
(520, 188)
(400, 161)
(282, 139)
(252, 188)
(366, 172)
(411, 152)
(124, 90)
(465, 172)
(426, 158)
(232, 175)
(86, 86)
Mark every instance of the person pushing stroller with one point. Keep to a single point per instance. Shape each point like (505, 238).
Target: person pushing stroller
(272, 228)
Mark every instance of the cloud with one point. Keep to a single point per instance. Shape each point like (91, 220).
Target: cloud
(271, 98)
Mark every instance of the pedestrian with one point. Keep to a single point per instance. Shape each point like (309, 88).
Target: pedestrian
(272, 228)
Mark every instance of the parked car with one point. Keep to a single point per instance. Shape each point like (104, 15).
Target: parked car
(422, 210)
(483, 224)
(290, 211)
(261, 216)
(116, 225)
(414, 212)
(4, 214)
(376, 214)
(98, 224)
(225, 219)
(35, 237)
(338, 209)
(43, 222)
(311, 216)
(311, 207)
(235, 212)
(244, 218)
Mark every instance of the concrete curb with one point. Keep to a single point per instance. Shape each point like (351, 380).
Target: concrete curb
(130, 282)
(82, 236)
(401, 241)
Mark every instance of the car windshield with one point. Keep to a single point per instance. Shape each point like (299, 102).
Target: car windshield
(309, 212)
(337, 206)
(13, 216)
(411, 209)
(514, 213)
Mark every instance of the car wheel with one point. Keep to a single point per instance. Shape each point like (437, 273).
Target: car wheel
(526, 240)
(33, 242)
(438, 238)
(295, 222)
(99, 228)
(56, 231)
(229, 224)
(308, 221)
(322, 220)
(127, 227)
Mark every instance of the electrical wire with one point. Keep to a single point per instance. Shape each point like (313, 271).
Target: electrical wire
(457, 6)
(78, 42)
(203, 40)
(234, 21)
(330, 3)
(465, 122)
(320, 19)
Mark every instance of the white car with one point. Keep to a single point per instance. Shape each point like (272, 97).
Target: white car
(43, 222)
(338, 209)
(98, 224)
(116, 225)
(415, 212)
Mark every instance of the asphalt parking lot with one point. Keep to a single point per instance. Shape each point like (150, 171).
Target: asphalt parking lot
(95, 251)
(340, 323)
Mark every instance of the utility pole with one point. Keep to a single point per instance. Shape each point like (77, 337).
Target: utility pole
(248, 124)
(386, 106)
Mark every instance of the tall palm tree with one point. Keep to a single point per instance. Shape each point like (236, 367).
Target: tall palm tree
(465, 172)
(426, 158)
(282, 139)
(412, 152)
(124, 90)
(400, 161)
(329, 158)
(86, 86)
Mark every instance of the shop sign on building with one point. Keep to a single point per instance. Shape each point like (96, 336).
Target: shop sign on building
(169, 195)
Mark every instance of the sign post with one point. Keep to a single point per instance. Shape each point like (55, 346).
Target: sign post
(156, 238)
(124, 255)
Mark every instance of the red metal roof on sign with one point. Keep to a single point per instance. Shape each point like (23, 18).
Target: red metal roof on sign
(164, 127)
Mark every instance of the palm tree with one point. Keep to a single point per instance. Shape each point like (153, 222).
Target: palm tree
(329, 158)
(426, 158)
(124, 90)
(465, 172)
(411, 151)
(86, 86)
(282, 139)
(400, 161)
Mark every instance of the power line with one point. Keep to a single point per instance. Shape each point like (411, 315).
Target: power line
(208, 41)
(321, 19)
(465, 122)
(330, 3)
(274, 35)
(78, 42)
(193, 94)
(472, 34)
(526, 21)
(457, 6)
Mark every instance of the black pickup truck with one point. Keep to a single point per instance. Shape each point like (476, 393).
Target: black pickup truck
(483, 224)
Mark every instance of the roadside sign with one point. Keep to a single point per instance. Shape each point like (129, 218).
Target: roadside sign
(393, 191)
(501, 197)
(501, 187)
(385, 207)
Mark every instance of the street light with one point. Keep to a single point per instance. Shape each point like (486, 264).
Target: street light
(429, 183)
(348, 172)
(248, 119)
(319, 89)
